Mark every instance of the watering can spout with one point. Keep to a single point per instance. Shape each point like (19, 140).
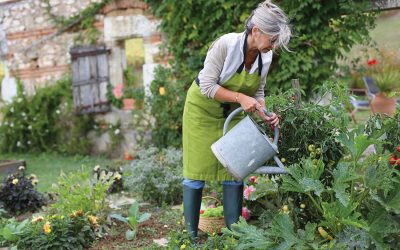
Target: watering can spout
(272, 170)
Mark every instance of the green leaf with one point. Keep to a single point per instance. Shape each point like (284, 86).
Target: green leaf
(119, 217)
(130, 234)
(144, 217)
(133, 210)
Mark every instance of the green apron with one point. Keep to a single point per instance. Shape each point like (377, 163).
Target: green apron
(203, 121)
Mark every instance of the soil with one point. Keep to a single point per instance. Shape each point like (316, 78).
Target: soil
(147, 232)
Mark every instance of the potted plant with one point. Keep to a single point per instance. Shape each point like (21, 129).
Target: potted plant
(387, 78)
(133, 98)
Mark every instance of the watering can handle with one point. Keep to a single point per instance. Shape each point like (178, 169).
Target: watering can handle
(240, 109)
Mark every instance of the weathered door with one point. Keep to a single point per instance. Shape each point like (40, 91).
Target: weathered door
(90, 79)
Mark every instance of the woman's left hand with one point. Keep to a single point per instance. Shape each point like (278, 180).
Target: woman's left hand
(273, 120)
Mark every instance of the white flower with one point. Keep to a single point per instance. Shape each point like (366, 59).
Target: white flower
(117, 131)
(11, 124)
(58, 111)
(97, 167)
(30, 127)
(15, 181)
(12, 109)
(21, 168)
(23, 114)
(18, 144)
(29, 142)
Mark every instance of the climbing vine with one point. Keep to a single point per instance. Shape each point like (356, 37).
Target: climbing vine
(83, 21)
(322, 30)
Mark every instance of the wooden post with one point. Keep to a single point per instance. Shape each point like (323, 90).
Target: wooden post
(297, 94)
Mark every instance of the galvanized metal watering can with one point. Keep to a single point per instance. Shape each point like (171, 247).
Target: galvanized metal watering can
(245, 148)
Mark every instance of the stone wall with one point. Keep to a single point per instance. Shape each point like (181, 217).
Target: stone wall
(33, 50)
(35, 53)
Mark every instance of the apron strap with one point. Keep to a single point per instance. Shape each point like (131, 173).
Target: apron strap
(241, 67)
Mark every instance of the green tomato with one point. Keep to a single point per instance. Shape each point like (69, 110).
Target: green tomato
(311, 148)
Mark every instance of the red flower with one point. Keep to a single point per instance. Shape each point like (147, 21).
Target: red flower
(201, 211)
(372, 62)
(253, 179)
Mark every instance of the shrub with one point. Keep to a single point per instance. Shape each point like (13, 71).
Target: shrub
(74, 231)
(166, 107)
(307, 123)
(106, 175)
(44, 122)
(156, 175)
(387, 127)
(18, 194)
(354, 203)
(80, 191)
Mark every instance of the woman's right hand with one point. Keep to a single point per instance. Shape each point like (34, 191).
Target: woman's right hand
(249, 104)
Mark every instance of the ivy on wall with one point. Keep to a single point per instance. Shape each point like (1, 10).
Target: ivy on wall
(323, 30)
(82, 21)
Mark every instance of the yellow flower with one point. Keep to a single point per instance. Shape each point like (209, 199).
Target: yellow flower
(47, 227)
(162, 92)
(183, 246)
(117, 176)
(15, 181)
(34, 181)
(62, 217)
(37, 219)
(79, 212)
(93, 220)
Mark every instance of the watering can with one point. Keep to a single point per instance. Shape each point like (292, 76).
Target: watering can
(245, 148)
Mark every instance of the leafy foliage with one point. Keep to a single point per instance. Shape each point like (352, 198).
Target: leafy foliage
(59, 232)
(307, 123)
(156, 175)
(44, 122)
(279, 235)
(18, 194)
(133, 220)
(387, 127)
(80, 191)
(322, 32)
(10, 230)
(166, 108)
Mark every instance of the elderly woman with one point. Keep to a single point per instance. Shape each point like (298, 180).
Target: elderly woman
(234, 74)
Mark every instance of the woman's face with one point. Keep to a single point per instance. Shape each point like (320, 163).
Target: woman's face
(263, 41)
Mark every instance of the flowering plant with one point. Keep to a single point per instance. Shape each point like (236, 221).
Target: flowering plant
(385, 71)
(76, 230)
(18, 194)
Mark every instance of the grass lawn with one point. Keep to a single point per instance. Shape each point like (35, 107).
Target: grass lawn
(48, 166)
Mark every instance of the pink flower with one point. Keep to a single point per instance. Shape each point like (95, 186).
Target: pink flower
(247, 191)
(117, 90)
(246, 213)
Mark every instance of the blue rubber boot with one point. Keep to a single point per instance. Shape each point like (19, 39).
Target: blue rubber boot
(233, 198)
(191, 208)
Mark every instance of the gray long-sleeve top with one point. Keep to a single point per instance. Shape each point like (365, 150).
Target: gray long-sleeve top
(224, 57)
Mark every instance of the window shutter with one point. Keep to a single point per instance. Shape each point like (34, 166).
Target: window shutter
(89, 79)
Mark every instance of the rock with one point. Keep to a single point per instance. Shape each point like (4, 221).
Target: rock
(162, 242)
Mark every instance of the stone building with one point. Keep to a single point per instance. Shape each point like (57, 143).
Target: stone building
(33, 50)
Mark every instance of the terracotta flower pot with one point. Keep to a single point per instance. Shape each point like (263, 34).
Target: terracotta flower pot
(382, 104)
(130, 104)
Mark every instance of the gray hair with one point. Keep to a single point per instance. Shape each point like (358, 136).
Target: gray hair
(270, 19)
